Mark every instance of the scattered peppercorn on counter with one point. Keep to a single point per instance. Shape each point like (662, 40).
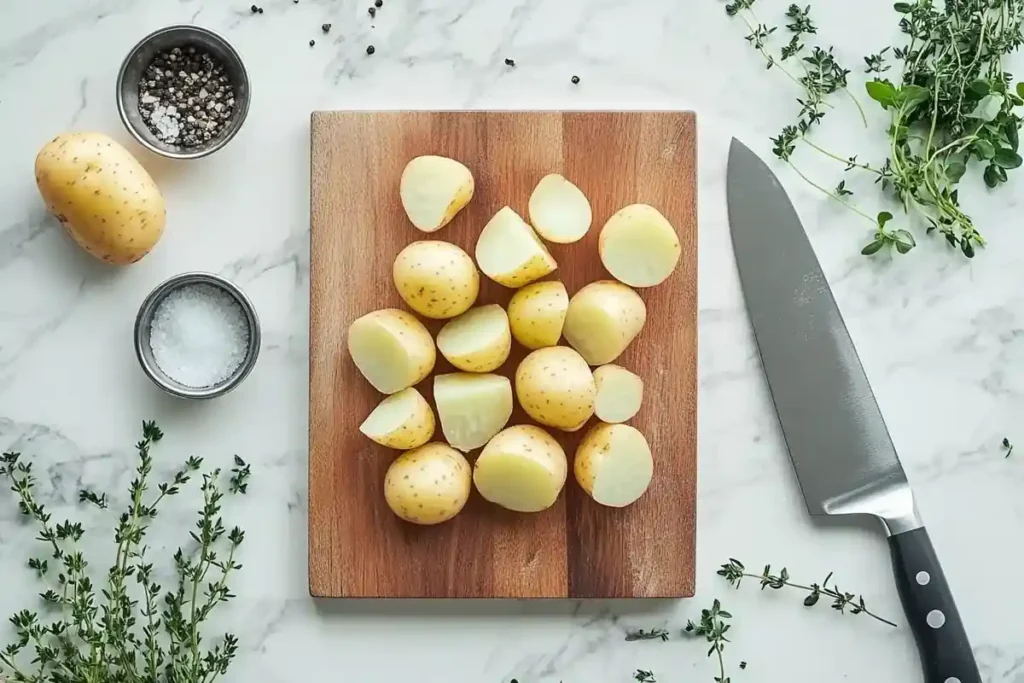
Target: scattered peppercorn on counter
(522, 467)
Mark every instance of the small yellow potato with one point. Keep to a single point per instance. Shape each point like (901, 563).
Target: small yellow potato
(613, 464)
(555, 387)
(522, 469)
(433, 189)
(510, 253)
(559, 211)
(403, 421)
(638, 246)
(620, 393)
(428, 485)
(603, 318)
(478, 340)
(472, 407)
(392, 349)
(436, 279)
(537, 312)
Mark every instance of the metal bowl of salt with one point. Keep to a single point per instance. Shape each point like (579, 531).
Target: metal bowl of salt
(197, 335)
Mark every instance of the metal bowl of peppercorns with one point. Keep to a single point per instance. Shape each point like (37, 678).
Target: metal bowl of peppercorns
(183, 92)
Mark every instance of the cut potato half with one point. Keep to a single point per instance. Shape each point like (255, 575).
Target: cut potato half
(522, 469)
(472, 407)
(613, 464)
(403, 420)
(436, 279)
(603, 318)
(510, 253)
(537, 312)
(479, 340)
(428, 485)
(392, 349)
(559, 211)
(433, 190)
(638, 246)
(555, 387)
(619, 393)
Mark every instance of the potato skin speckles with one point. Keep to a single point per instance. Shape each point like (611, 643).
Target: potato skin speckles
(556, 387)
(428, 485)
(436, 279)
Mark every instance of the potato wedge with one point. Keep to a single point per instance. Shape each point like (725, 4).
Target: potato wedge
(638, 246)
(620, 393)
(510, 253)
(559, 211)
(428, 485)
(522, 469)
(433, 189)
(603, 318)
(436, 279)
(403, 421)
(392, 349)
(478, 340)
(613, 464)
(555, 387)
(472, 407)
(537, 312)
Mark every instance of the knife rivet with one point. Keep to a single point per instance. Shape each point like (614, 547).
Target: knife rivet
(936, 619)
(923, 578)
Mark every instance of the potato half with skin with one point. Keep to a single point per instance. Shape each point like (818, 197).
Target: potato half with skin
(613, 464)
(620, 393)
(555, 387)
(433, 189)
(537, 312)
(472, 407)
(522, 469)
(403, 421)
(510, 253)
(392, 349)
(603, 318)
(436, 279)
(638, 246)
(559, 211)
(102, 195)
(428, 485)
(479, 340)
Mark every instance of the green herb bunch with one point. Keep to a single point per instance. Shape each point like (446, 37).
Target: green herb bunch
(952, 104)
(130, 629)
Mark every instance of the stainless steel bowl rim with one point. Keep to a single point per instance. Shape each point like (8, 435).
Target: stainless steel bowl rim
(216, 143)
(145, 316)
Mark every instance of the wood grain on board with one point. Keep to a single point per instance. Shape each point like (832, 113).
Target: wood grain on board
(578, 549)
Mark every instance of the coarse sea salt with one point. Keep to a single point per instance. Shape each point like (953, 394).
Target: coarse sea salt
(199, 335)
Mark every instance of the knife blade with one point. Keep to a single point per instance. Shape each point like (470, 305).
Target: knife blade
(841, 450)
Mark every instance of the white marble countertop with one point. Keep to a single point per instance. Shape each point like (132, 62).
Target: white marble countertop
(942, 337)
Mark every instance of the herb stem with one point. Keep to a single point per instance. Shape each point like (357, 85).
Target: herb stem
(860, 109)
(823, 589)
(838, 158)
(831, 194)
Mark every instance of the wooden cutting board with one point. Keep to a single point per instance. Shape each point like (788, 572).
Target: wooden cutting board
(577, 548)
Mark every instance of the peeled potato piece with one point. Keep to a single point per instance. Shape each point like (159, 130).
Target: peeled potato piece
(537, 312)
(472, 407)
(510, 253)
(638, 246)
(603, 318)
(613, 464)
(619, 393)
(428, 485)
(436, 279)
(478, 340)
(403, 420)
(556, 388)
(559, 211)
(522, 469)
(392, 349)
(433, 190)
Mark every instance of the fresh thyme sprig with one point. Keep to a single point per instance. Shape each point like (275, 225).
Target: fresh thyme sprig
(952, 105)
(642, 676)
(734, 572)
(240, 474)
(118, 639)
(653, 634)
(1008, 446)
(713, 627)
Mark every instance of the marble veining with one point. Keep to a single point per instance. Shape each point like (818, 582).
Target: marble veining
(942, 338)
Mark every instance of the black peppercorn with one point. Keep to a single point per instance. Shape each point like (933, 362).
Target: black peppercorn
(575, 80)
(370, 49)
(510, 62)
(254, 9)
(372, 11)
(325, 28)
(312, 43)
(260, 10)
(378, 3)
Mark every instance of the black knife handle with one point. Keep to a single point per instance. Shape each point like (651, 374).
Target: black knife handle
(946, 655)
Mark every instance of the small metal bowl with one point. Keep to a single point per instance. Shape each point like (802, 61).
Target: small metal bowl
(144, 350)
(139, 58)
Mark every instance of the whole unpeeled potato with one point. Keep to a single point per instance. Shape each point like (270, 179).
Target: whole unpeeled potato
(102, 195)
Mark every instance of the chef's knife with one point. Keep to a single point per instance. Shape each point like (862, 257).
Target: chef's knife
(837, 439)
